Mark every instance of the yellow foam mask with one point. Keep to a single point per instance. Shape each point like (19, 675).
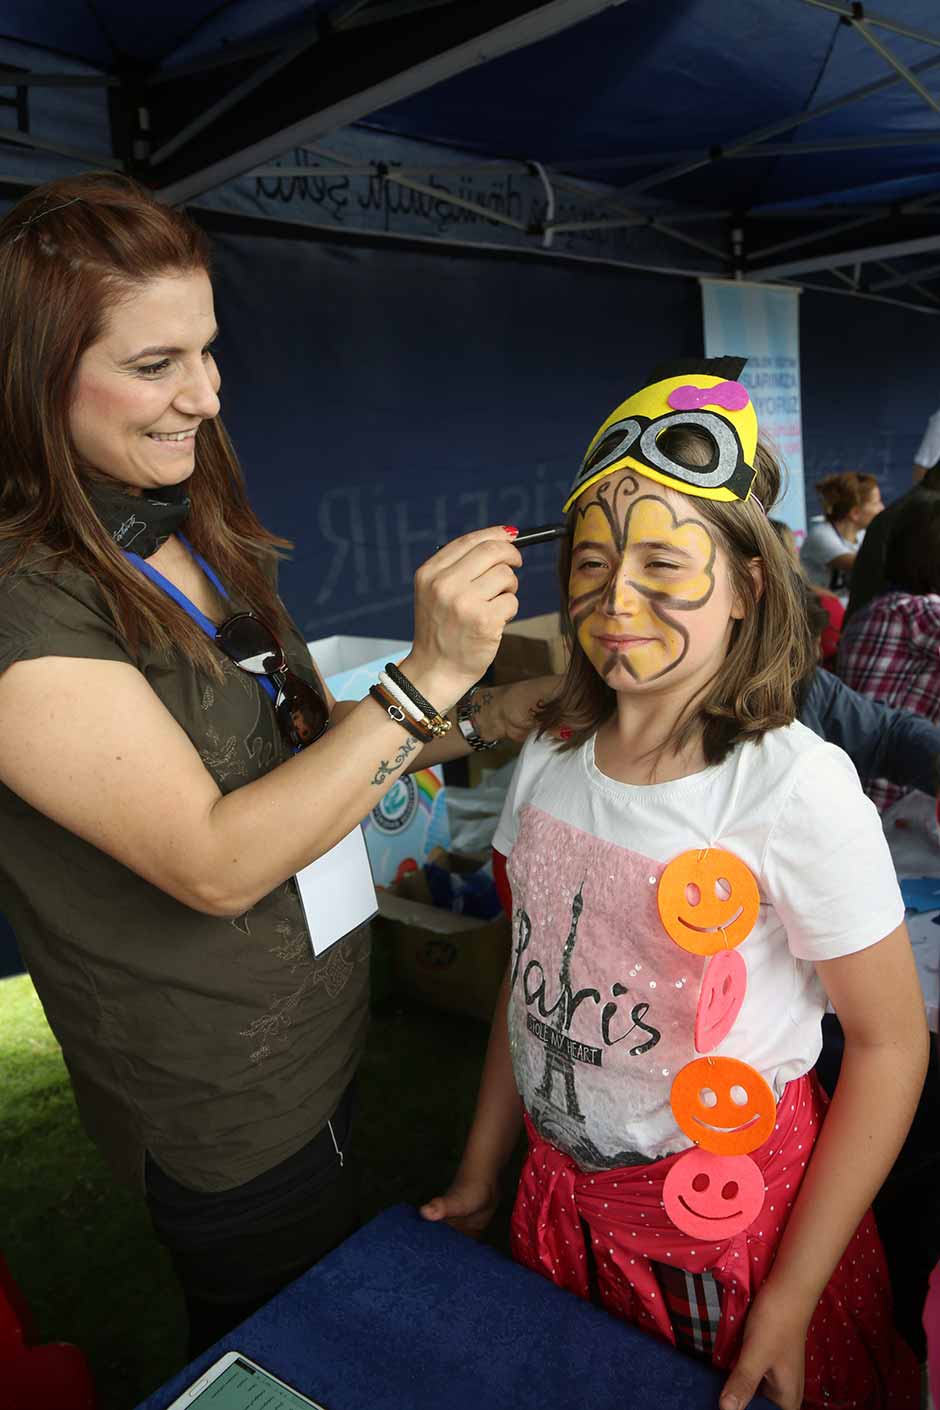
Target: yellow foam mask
(714, 406)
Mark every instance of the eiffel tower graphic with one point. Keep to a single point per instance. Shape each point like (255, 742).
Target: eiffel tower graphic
(556, 1062)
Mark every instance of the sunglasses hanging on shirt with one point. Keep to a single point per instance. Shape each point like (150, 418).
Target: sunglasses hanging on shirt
(302, 712)
(300, 709)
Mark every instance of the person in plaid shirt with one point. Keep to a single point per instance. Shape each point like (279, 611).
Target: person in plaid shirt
(890, 650)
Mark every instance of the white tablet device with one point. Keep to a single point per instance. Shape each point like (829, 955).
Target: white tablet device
(236, 1383)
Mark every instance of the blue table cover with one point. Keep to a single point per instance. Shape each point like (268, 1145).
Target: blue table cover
(407, 1315)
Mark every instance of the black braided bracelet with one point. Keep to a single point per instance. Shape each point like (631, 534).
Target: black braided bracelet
(412, 692)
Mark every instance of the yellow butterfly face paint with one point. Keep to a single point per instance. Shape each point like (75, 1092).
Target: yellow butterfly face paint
(641, 566)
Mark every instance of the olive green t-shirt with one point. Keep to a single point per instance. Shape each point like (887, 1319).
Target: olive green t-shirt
(221, 1046)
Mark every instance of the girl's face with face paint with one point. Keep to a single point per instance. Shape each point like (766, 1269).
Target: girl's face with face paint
(650, 595)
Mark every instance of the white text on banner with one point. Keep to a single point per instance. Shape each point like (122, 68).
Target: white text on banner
(761, 322)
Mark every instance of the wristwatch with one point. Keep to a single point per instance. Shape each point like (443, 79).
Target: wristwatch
(465, 722)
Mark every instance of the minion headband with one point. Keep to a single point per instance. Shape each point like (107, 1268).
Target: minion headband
(705, 397)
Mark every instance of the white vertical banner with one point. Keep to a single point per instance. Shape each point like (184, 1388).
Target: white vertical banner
(762, 323)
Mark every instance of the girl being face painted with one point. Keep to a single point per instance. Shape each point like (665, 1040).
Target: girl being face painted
(650, 596)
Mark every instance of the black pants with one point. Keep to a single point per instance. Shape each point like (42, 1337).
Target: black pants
(232, 1250)
(907, 1207)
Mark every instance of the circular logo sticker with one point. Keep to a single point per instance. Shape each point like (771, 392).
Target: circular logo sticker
(397, 809)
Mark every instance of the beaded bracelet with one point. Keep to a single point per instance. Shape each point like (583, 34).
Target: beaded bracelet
(396, 713)
(438, 723)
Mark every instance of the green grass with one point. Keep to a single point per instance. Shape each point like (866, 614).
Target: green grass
(80, 1247)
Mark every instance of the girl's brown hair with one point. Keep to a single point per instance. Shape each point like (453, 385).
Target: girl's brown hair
(842, 493)
(69, 252)
(770, 652)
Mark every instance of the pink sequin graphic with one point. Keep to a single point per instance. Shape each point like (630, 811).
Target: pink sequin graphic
(602, 1006)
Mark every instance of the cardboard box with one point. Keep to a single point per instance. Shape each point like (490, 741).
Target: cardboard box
(452, 961)
(351, 664)
(531, 646)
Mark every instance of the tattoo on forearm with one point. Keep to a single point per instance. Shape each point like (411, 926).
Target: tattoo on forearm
(481, 699)
(386, 769)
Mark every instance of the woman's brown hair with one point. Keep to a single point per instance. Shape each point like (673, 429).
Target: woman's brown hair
(842, 493)
(912, 553)
(770, 652)
(69, 252)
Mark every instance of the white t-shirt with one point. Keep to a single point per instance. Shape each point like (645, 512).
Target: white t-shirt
(598, 1033)
(928, 452)
(822, 544)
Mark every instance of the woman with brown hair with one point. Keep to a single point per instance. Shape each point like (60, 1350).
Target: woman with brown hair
(692, 873)
(850, 502)
(171, 765)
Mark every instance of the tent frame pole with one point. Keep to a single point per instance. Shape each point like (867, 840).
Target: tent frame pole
(860, 294)
(22, 78)
(904, 30)
(439, 195)
(931, 272)
(841, 258)
(752, 139)
(692, 240)
(823, 234)
(910, 78)
(532, 23)
(914, 282)
(76, 154)
(208, 116)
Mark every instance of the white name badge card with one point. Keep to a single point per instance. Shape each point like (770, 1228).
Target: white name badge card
(337, 891)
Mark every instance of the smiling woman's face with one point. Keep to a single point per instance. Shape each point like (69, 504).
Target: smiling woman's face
(649, 592)
(144, 388)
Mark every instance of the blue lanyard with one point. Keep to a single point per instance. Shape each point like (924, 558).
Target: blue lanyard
(173, 591)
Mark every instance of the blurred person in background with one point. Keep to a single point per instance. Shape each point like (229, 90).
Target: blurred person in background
(890, 651)
(927, 454)
(850, 502)
(868, 575)
(829, 605)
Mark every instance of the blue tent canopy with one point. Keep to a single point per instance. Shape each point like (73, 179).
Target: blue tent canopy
(759, 138)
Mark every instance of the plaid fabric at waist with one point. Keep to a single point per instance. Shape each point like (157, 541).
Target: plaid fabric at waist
(693, 1305)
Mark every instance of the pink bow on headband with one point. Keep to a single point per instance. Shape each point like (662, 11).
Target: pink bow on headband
(731, 395)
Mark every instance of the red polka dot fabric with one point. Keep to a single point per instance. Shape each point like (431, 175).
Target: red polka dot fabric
(855, 1360)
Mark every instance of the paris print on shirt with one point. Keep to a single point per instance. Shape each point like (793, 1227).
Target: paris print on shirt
(557, 1058)
(551, 1025)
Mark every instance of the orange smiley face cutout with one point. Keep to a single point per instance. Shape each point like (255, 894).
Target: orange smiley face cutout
(723, 1105)
(708, 900)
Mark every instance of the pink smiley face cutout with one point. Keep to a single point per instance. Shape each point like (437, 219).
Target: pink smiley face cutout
(713, 1197)
(720, 1000)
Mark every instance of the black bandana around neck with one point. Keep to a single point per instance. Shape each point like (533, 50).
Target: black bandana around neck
(141, 523)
